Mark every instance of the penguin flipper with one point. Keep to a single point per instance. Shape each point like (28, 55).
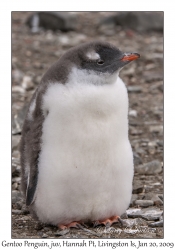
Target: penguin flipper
(30, 149)
(31, 188)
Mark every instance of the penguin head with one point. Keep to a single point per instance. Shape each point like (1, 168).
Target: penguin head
(103, 57)
(97, 59)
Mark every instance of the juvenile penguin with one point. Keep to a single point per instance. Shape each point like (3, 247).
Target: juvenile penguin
(76, 158)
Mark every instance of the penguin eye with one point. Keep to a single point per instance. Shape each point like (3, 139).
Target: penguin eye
(100, 62)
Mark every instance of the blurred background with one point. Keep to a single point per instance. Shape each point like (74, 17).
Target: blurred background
(40, 38)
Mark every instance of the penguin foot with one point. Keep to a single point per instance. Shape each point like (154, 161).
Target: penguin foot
(107, 222)
(75, 224)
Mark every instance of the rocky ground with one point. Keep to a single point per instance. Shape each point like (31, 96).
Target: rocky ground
(33, 51)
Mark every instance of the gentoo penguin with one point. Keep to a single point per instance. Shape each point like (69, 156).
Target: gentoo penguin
(76, 158)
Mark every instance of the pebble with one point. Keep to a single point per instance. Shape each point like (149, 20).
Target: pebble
(133, 199)
(150, 77)
(135, 20)
(27, 83)
(19, 205)
(15, 142)
(18, 89)
(153, 167)
(134, 222)
(15, 154)
(153, 56)
(148, 236)
(155, 86)
(62, 232)
(25, 218)
(152, 144)
(66, 40)
(44, 236)
(16, 196)
(129, 71)
(124, 216)
(154, 197)
(16, 211)
(16, 179)
(134, 89)
(156, 129)
(137, 159)
(17, 75)
(156, 224)
(141, 151)
(150, 213)
(144, 203)
(134, 131)
(137, 187)
(16, 168)
(18, 119)
(133, 113)
(108, 30)
(64, 21)
(15, 186)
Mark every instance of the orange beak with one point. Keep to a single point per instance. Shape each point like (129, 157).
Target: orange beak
(130, 57)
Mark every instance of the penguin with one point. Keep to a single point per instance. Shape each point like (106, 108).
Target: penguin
(76, 158)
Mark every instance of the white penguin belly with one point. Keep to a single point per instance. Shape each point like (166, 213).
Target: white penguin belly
(86, 163)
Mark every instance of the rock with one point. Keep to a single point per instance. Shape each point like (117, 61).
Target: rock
(134, 222)
(144, 203)
(16, 196)
(18, 119)
(15, 154)
(129, 71)
(135, 131)
(25, 218)
(15, 142)
(124, 216)
(25, 210)
(107, 30)
(156, 224)
(137, 159)
(156, 87)
(141, 151)
(18, 89)
(44, 236)
(153, 56)
(19, 205)
(17, 75)
(27, 83)
(152, 76)
(153, 167)
(62, 232)
(67, 40)
(133, 113)
(150, 213)
(137, 187)
(15, 186)
(64, 21)
(139, 21)
(16, 168)
(38, 79)
(16, 211)
(156, 129)
(16, 179)
(133, 199)
(134, 89)
(152, 144)
(154, 197)
(148, 235)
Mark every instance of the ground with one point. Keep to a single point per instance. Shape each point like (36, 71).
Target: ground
(32, 54)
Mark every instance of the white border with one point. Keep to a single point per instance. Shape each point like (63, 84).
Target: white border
(5, 96)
